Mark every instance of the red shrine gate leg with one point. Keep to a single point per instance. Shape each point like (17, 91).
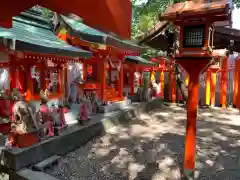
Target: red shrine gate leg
(236, 78)
(208, 87)
(224, 81)
(213, 88)
(238, 85)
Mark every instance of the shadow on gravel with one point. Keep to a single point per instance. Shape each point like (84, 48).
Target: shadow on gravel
(152, 148)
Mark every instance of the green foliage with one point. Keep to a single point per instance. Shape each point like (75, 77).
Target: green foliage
(236, 3)
(46, 13)
(145, 15)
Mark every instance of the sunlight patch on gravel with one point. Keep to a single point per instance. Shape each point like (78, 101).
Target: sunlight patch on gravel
(149, 148)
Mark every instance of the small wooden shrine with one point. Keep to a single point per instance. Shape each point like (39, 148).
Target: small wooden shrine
(36, 60)
(31, 44)
(134, 64)
(108, 53)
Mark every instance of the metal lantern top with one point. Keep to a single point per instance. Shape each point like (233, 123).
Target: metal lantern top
(190, 10)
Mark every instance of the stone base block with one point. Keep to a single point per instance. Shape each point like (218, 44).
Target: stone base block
(115, 106)
(60, 130)
(45, 163)
(5, 128)
(24, 140)
(74, 137)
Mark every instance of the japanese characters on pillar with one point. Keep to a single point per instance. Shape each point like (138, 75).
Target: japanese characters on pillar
(195, 21)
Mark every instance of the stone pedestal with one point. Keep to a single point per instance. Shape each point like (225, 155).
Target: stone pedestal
(24, 140)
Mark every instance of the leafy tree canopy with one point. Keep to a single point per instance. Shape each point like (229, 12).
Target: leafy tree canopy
(236, 3)
(145, 13)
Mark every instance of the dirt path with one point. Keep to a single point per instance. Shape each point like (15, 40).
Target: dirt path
(149, 147)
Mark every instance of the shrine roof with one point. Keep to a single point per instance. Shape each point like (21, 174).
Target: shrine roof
(34, 34)
(191, 8)
(86, 33)
(157, 39)
(157, 35)
(139, 60)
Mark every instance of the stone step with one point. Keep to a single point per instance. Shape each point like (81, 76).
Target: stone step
(114, 106)
(28, 174)
(45, 163)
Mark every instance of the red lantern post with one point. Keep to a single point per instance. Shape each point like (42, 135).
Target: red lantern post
(195, 52)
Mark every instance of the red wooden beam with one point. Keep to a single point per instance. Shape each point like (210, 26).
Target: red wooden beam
(4, 64)
(61, 59)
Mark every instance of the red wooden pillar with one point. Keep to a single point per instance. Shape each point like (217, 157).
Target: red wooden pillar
(224, 82)
(174, 89)
(65, 82)
(131, 82)
(150, 76)
(95, 71)
(238, 86)
(60, 80)
(12, 73)
(120, 88)
(12, 77)
(110, 74)
(213, 86)
(85, 70)
(162, 83)
(236, 78)
(43, 82)
(140, 78)
(208, 87)
(180, 98)
(20, 80)
(103, 78)
(192, 103)
(172, 82)
(187, 80)
(190, 139)
(29, 81)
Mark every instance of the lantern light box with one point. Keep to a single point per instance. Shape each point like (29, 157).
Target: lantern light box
(196, 40)
(194, 36)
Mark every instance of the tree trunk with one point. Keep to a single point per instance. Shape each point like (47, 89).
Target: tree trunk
(180, 82)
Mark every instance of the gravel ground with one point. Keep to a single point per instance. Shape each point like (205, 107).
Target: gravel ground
(152, 146)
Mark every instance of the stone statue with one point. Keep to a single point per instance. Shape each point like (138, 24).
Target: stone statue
(23, 115)
(74, 91)
(83, 108)
(62, 117)
(45, 118)
(155, 89)
(139, 94)
(148, 94)
(144, 94)
(94, 102)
